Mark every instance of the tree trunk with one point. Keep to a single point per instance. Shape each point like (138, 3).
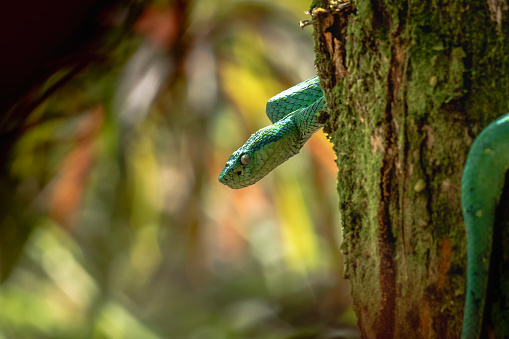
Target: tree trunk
(408, 86)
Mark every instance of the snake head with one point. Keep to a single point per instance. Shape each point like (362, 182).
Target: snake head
(263, 151)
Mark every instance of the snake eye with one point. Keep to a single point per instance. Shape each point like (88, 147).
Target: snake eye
(245, 159)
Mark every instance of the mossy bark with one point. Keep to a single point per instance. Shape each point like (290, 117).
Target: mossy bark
(408, 86)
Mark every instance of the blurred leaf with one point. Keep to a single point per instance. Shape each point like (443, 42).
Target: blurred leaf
(69, 184)
(158, 248)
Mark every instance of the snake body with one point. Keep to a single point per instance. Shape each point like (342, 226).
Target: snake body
(294, 117)
(481, 187)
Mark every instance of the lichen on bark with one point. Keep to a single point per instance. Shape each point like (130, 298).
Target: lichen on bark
(408, 87)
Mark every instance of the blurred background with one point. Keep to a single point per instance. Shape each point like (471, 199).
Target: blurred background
(114, 224)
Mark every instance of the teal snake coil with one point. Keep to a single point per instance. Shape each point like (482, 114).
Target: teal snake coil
(481, 187)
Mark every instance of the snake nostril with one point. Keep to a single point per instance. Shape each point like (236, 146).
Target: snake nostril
(239, 172)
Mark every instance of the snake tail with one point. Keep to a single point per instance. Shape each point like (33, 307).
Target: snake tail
(482, 184)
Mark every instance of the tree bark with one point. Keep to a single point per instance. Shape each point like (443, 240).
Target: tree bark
(409, 84)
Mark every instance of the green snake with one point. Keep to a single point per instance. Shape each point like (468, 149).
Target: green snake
(481, 187)
(294, 115)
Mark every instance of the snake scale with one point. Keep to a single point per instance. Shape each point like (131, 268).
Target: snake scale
(294, 115)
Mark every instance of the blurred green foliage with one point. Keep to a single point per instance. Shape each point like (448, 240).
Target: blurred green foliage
(129, 232)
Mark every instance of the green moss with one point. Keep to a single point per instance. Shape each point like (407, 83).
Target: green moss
(450, 56)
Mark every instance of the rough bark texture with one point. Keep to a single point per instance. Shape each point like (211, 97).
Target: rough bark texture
(409, 84)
